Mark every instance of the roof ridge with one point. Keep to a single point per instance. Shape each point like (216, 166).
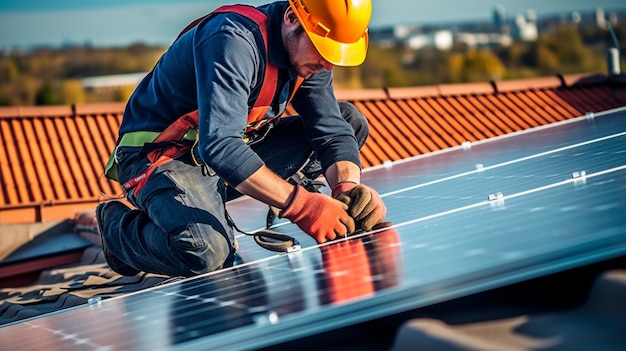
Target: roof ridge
(473, 88)
(60, 110)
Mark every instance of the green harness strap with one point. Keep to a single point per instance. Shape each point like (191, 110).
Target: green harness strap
(136, 139)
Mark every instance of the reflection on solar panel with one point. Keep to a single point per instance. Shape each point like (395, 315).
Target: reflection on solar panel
(466, 220)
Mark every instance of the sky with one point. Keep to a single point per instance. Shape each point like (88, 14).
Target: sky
(26, 23)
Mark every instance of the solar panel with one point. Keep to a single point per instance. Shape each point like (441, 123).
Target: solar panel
(465, 220)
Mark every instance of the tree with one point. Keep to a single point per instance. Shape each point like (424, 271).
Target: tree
(45, 95)
(9, 71)
(21, 91)
(475, 66)
(546, 60)
(72, 92)
(564, 51)
(122, 94)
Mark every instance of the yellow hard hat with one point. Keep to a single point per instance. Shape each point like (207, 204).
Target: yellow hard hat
(338, 29)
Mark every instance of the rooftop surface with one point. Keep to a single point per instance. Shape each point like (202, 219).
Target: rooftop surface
(436, 136)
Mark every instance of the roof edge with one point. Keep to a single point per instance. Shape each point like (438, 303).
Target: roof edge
(361, 94)
(594, 79)
(483, 87)
(35, 111)
(98, 108)
(530, 83)
(61, 110)
(555, 81)
(413, 92)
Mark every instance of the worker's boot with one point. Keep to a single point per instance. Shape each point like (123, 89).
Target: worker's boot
(108, 215)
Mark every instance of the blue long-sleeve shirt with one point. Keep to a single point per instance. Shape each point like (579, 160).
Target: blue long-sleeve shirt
(217, 68)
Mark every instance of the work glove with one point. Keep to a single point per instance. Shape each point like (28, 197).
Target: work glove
(318, 215)
(364, 204)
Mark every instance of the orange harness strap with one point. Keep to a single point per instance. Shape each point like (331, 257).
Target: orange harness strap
(175, 131)
(270, 78)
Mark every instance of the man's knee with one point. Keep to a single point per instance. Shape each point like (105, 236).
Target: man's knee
(357, 120)
(200, 254)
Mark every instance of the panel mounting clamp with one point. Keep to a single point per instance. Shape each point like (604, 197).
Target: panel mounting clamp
(496, 197)
(580, 177)
(496, 200)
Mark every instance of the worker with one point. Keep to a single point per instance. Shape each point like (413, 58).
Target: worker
(192, 137)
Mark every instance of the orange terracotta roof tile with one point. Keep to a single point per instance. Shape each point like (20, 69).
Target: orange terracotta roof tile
(52, 158)
(584, 79)
(532, 83)
(412, 92)
(363, 94)
(471, 88)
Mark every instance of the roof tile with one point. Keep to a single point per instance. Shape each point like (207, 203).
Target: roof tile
(412, 92)
(466, 89)
(526, 84)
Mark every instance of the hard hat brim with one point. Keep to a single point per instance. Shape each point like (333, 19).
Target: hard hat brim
(340, 54)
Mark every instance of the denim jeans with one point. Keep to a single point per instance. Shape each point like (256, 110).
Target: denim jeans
(180, 226)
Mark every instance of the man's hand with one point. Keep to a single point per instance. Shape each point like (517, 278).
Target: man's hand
(318, 215)
(365, 204)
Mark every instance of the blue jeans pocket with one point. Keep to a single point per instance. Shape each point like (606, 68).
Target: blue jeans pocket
(131, 162)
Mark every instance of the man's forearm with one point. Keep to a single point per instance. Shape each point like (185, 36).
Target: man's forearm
(266, 186)
(343, 171)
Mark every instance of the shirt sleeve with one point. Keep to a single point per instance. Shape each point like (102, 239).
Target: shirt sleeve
(326, 130)
(227, 67)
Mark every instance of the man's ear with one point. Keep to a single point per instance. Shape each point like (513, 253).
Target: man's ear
(289, 17)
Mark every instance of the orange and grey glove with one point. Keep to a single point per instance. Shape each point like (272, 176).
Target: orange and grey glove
(365, 204)
(318, 215)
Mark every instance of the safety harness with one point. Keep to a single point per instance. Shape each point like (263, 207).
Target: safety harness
(185, 127)
(177, 138)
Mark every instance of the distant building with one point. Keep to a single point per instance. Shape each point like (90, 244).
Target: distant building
(501, 30)
(441, 40)
(499, 18)
(476, 40)
(600, 18)
(114, 81)
(525, 27)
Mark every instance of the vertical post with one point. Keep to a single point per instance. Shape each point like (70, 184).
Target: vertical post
(612, 61)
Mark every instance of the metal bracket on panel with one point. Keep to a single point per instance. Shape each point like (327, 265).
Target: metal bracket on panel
(580, 178)
(294, 248)
(296, 259)
(94, 301)
(467, 145)
(496, 200)
(265, 318)
(480, 167)
(589, 115)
